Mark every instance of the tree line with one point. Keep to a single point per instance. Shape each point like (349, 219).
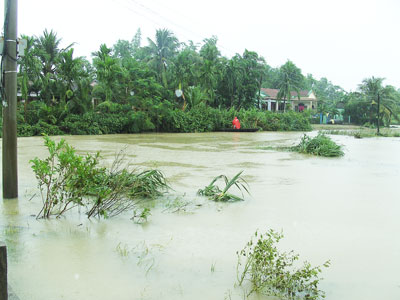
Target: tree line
(55, 84)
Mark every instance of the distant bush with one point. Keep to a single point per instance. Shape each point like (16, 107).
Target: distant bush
(110, 118)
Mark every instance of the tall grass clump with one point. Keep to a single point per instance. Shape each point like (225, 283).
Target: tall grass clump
(321, 145)
(275, 273)
(67, 180)
(119, 189)
(213, 191)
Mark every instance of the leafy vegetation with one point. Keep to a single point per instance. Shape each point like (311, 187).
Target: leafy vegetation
(364, 133)
(130, 88)
(213, 191)
(321, 145)
(274, 273)
(67, 180)
(64, 178)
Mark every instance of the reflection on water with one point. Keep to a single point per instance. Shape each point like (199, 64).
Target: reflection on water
(345, 210)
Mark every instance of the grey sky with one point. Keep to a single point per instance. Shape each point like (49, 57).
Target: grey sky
(343, 40)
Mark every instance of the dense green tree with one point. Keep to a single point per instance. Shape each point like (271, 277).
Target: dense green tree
(211, 68)
(29, 71)
(107, 72)
(136, 41)
(185, 67)
(290, 79)
(231, 81)
(382, 97)
(161, 51)
(253, 67)
(123, 49)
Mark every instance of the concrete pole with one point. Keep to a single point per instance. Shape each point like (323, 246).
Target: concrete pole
(10, 172)
(3, 272)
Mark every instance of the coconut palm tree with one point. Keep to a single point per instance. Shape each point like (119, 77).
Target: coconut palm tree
(161, 51)
(47, 50)
(381, 96)
(290, 79)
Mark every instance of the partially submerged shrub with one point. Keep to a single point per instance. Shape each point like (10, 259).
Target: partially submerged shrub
(357, 134)
(213, 192)
(67, 180)
(273, 273)
(64, 178)
(118, 189)
(321, 145)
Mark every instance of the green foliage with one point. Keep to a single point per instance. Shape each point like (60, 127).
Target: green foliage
(321, 145)
(118, 190)
(290, 79)
(364, 132)
(64, 178)
(213, 192)
(122, 120)
(67, 180)
(140, 216)
(274, 273)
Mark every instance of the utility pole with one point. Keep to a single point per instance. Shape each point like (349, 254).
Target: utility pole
(378, 114)
(9, 101)
(3, 272)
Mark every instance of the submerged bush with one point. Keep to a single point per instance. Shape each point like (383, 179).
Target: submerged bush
(67, 180)
(321, 145)
(213, 192)
(64, 178)
(273, 273)
(118, 189)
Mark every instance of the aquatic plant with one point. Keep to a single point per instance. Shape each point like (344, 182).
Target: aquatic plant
(212, 268)
(67, 180)
(180, 204)
(140, 215)
(122, 250)
(321, 145)
(213, 192)
(357, 134)
(273, 273)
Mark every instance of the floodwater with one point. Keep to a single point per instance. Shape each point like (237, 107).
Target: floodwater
(342, 209)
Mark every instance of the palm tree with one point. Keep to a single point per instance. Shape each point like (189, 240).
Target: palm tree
(233, 74)
(210, 67)
(47, 50)
(29, 71)
(107, 70)
(69, 70)
(161, 51)
(382, 96)
(290, 79)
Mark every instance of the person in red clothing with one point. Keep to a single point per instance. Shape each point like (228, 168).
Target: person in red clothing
(236, 123)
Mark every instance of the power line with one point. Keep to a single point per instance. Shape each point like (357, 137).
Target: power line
(143, 7)
(138, 13)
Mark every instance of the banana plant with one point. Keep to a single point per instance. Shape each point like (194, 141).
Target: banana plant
(213, 192)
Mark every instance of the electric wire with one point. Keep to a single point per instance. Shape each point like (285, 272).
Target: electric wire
(143, 7)
(138, 13)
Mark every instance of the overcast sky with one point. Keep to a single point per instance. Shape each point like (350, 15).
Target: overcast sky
(342, 40)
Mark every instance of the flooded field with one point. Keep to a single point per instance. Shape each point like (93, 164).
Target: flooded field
(343, 209)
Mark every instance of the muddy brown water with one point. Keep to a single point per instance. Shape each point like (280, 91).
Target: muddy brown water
(343, 209)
